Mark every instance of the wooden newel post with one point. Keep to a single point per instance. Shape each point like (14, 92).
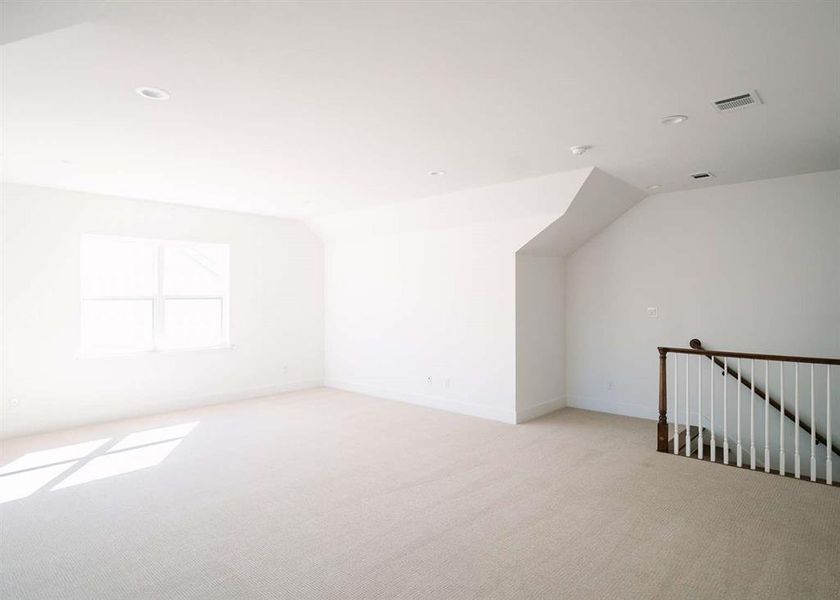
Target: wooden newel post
(662, 425)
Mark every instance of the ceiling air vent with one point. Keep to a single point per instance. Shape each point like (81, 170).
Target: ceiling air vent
(738, 102)
(703, 175)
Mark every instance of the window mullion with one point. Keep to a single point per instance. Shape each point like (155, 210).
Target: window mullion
(111, 323)
(159, 313)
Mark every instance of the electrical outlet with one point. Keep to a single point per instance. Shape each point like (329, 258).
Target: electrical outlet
(285, 369)
(14, 402)
(653, 312)
(429, 380)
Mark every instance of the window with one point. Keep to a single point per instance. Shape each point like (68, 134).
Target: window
(147, 295)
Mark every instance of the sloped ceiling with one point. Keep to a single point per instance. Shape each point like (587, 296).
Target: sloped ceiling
(309, 108)
(539, 200)
(22, 19)
(601, 200)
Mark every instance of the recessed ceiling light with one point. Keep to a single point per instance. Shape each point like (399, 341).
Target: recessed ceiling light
(66, 162)
(153, 93)
(673, 119)
(655, 186)
(578, 150)
(437, 173)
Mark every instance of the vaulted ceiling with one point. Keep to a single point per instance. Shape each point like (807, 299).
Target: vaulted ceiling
(302, 109)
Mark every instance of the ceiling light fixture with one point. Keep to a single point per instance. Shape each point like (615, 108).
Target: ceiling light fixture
(153, 93)
(673, 119)
(578, 150)
(437, 173)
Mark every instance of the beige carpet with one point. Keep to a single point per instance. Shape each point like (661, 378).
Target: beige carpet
(327, 494)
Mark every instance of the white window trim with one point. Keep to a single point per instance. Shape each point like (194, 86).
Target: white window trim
(158, 312)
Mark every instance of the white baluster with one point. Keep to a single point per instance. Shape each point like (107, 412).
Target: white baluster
(725, 412)
(766, 416)
(712, 409)
(797, 463)
(676, 403)
(738, 420)
(813, 430)
(687, 412)
(782, 419)
(699, 407)
(828, 475)
(752, 414)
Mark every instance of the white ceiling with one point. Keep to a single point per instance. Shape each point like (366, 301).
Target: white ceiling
(310, 108)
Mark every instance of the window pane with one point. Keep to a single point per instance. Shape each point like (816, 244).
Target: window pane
(113, 266)
(193, 323)
(195, 269)
(113, 326)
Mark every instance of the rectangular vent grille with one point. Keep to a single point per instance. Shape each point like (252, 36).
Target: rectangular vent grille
(737, 102)
(704, 175)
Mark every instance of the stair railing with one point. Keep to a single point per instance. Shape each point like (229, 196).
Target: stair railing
(685, 433)
(791, 416)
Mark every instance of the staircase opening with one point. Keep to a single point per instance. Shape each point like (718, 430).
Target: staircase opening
(763, 412)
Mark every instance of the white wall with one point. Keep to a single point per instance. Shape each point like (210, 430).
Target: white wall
(425, 318)
(540, 291)
(752, 267)
(540, 335)
(421, 295)
(276, 317)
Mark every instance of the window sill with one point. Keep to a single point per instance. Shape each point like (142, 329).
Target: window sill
(92, 355)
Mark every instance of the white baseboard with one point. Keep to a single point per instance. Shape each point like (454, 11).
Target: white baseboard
(252, 393)
(456, 406)
(21, 424)
(538, 410)
(617, 408)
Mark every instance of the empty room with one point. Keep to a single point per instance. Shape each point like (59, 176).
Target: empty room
(373, 300)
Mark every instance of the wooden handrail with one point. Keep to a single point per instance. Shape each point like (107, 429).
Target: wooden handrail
(697, 346)
(774, 357)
